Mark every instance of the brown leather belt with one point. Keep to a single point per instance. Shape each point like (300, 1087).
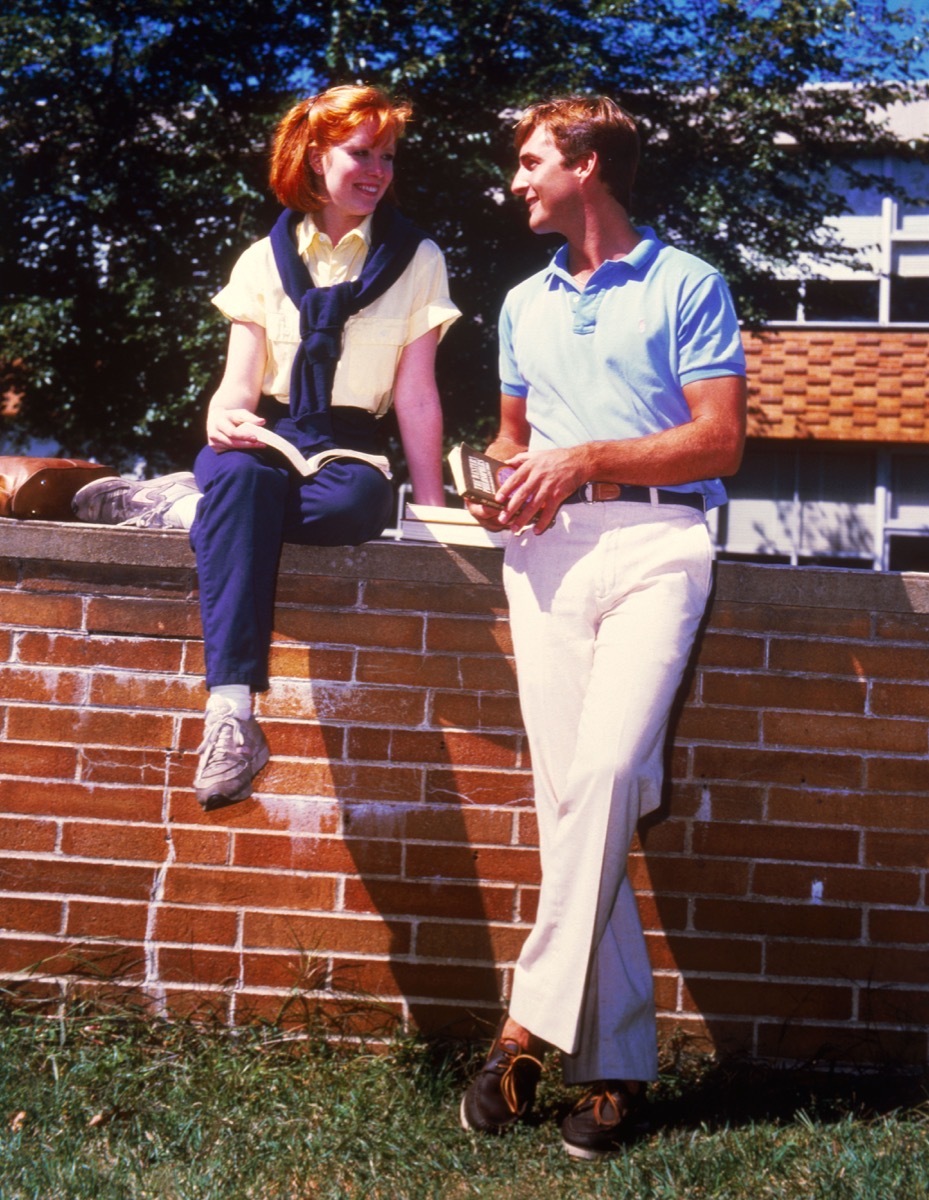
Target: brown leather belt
(594, 493)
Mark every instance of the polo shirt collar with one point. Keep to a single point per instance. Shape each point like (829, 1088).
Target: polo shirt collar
(638, 258)
(309, 234)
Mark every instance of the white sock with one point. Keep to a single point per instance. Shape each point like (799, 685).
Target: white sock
(182, 512)
(238, 696)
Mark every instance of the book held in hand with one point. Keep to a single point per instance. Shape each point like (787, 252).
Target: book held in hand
(309, 466)
(477, 476)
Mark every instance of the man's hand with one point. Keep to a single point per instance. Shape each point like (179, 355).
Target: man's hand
(536, 490)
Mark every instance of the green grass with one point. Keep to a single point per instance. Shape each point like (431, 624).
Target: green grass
(112, 1107)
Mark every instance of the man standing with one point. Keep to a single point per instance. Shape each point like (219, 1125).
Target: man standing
(623, 400)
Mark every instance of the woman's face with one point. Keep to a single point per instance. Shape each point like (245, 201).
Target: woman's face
(356, 172)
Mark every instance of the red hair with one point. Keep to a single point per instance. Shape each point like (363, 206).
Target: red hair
(316, 125)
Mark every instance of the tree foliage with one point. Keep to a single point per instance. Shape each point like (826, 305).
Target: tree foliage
(134, 165)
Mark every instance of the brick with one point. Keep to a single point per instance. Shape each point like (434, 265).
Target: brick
(721, 800)
(437, 981)
(290, 971)
(41, 957)
(815, 622)
(24, 609)
(107, 919)
(332, 702)
(128, 768)
(46, 686)
(898, 926)
(732, 651)
(476, 940)
(195, 964)
(716, 724)
(23, 835)
(251, 889)
(900, 700)
(318, 591)
(778, 766)
(856, 659)
(349, 628)
(857, 810)
(692, 876)
(765, 691)
(143, 843)
(431, 899)
(897, 775)
(469, 711)
(70, 877)
(869, 965)
(311, 662)
(760, 918)
(467, 786)
(328, 855)
(896, 850)
(470, 636)
(478, 673)
(896, 1006)
(423, 596)
(902, 627)
(201, 846)
(451, 1022)
(436, 746)
(144, 615)
(304, 815)
(326, 934)
(87, 726)
(31, 915)
(478, 826)
(767, 998)
(51, 798)
(401, 669)
(850, 1043)
(858, 734)
(195, 925)
(472, 862)
(835, 884)
(796, 844)
(698, 952)
(131, 654)
(148, 691)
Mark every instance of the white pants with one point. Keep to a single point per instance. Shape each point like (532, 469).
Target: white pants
(604, 608)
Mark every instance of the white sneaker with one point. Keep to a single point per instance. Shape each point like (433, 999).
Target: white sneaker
(232, 753)
(137, 502)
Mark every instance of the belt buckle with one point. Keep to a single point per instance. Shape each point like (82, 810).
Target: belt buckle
(595, 492)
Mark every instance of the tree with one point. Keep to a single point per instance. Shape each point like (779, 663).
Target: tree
(134, 165)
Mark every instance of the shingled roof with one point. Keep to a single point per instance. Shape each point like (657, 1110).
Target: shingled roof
(848, 385)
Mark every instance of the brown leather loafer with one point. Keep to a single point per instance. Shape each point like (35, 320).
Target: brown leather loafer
(503, 1091)
(602, 1120)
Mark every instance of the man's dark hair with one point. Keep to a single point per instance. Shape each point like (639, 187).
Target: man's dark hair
(581, 124)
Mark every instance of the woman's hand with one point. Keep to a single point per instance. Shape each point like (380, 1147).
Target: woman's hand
(232, 428)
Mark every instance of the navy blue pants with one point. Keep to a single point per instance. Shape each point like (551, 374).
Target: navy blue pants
(253, 502)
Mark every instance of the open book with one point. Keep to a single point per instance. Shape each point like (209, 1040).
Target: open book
(309, 466)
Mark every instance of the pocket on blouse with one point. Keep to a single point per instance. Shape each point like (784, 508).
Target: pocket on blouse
(370, 356)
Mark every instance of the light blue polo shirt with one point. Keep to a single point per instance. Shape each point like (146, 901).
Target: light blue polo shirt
(609, 360)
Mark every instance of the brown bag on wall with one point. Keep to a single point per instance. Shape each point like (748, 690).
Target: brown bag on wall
(42, 488)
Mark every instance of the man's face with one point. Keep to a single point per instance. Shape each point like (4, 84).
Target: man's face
(546, 183)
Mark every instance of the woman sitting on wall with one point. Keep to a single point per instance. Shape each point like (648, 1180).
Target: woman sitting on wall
(335, 317)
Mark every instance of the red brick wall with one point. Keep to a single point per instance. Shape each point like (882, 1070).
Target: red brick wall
(387, 866)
